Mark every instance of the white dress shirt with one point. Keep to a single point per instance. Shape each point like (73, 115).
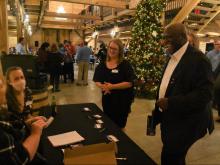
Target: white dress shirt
(20, 49)
(173, 62)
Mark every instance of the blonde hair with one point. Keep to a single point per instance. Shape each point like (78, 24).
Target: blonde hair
(10, 96)
(121, 50)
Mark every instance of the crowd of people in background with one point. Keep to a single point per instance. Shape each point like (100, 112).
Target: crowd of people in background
(58, 60)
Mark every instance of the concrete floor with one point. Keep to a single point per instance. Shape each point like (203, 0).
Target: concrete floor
(205, 152)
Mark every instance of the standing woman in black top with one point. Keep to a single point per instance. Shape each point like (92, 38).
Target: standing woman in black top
(115, 77)
(102, 54)
(54, 67)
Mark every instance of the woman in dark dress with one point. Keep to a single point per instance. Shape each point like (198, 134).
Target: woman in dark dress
(54, 67)
(102, 54)
(115, 77)
(42, 54)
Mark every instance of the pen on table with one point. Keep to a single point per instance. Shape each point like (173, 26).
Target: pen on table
(122, 158)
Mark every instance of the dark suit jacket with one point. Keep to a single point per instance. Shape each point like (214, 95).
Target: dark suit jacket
(189, 94)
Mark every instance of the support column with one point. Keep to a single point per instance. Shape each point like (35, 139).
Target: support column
(3, 29)
(3, 26)
(18, 20)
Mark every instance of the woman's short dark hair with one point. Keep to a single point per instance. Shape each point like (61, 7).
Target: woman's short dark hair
(54, 48)
(20, 39)
(45, 45)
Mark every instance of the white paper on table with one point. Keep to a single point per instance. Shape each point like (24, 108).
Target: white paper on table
(65, 138)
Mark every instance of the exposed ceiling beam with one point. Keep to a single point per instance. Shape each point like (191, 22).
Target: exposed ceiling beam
(43, 4)
(212, 16)
(12, 27)
(72, 16)
(199, 15)
(119, 14)
(10, 17)
(32, 13)
(112, 18)
(32, 2)
(12, 33)
(62, 23)
(212, 1)
(184, 12)
(31, 20)
(59, 27)
(203, 8)
(105, 3)
(32, 7)
(133, 4)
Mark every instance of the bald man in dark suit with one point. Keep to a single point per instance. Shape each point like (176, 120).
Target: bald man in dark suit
(184, 97)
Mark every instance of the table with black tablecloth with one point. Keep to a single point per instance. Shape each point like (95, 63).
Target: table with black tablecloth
(73, 118)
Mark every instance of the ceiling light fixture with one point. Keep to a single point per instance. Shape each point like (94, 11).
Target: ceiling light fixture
(60, 9)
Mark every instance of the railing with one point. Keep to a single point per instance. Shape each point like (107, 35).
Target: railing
(175, 4)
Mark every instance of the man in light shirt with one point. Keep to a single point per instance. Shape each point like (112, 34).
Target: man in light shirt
(83, 58)
(20, 49)
(184, 96)
(214, 57)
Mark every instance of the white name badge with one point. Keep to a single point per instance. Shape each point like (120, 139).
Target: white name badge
(114, 70)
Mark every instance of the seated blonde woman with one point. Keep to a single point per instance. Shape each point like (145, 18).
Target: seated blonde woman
(18, 96)
(18, 142)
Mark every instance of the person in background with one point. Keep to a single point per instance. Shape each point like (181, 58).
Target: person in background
(115, 78)
(183, 103)
(18, 141)
(12, 50)
(83, 57)
(214, 57)
(193, 40)
(102, 53)
(42, 54)
(61, 50)
(18, 96)
(54, 67)
(20, 49)
(68, 61)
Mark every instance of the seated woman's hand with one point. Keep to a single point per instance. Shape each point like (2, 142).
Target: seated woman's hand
(32, 119)
(37, 126)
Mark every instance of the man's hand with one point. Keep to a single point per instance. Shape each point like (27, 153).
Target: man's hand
(162, 103)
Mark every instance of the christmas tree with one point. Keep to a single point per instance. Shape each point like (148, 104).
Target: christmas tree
(146, 53)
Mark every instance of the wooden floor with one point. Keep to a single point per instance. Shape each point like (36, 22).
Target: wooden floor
(204, 152)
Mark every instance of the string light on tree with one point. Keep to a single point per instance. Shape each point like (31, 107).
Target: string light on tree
(95, 34)
(115, 32)
(146, 53)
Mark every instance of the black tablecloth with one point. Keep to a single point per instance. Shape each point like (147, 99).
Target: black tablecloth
(72, 117)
